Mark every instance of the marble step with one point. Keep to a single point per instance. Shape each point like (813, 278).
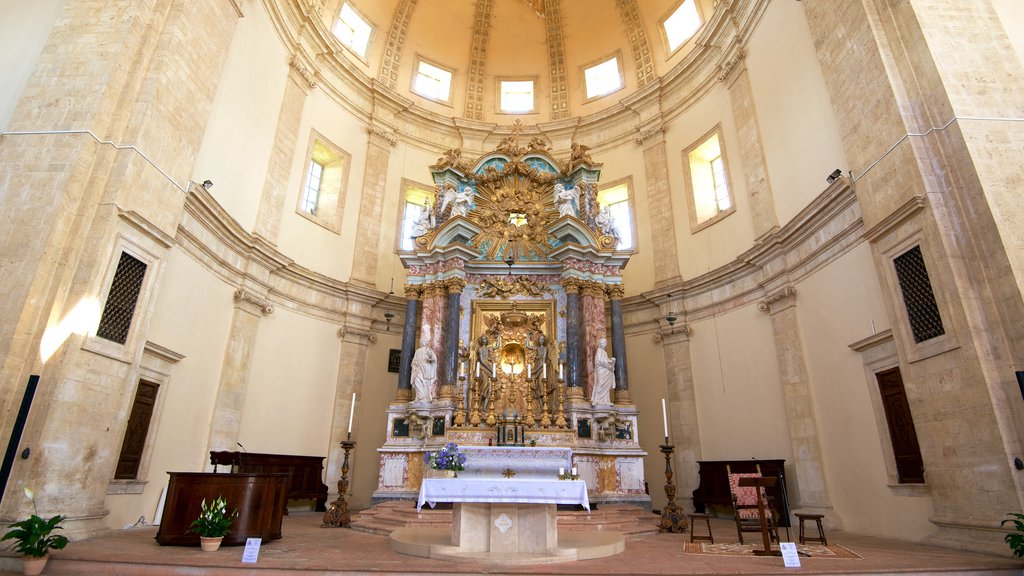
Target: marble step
(631, 521)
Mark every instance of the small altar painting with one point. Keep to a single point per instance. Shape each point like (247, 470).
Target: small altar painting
(583, 428)
(400, 428)
(394, 360)
(437, 426)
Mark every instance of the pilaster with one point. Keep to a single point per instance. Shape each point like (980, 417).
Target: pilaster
(759, 189)
(371, 207)
(684, 432)
(661, 218)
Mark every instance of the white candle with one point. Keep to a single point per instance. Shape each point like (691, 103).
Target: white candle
(462, 368)
(544, 371)
(478, 369)
(559, 370)
(529, 371)
(351, 412)
(664, 417)
(573, 470)
(494, 370)
(561, 471)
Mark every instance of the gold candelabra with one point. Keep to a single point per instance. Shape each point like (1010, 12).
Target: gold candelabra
(474, 415)
(560, 417)
(337, 514)
(460, 413)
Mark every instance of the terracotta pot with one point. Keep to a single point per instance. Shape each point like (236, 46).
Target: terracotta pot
(30, 565)
(210, 544)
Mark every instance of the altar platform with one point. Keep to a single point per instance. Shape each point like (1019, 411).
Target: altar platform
(305, 548)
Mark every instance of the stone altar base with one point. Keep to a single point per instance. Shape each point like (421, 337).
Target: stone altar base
(506, 533)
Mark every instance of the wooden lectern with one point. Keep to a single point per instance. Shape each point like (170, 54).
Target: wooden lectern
(761, 483)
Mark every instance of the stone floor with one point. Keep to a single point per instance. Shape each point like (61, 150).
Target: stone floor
(306, 550)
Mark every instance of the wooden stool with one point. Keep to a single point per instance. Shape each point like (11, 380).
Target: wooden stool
(707, 522)
(821, 531)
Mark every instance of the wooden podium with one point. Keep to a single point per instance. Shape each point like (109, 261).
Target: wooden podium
(761, 483)
(259, 499)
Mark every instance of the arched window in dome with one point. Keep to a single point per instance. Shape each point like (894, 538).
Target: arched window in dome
(614, 198)
(681, 24)
(416, 199)
(603, 77)
(432, 81)
(353, 30)
(707, 176)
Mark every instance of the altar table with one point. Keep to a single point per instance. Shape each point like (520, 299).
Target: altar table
(497, 517)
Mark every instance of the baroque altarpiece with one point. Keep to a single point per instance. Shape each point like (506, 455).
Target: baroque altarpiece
(514, 289)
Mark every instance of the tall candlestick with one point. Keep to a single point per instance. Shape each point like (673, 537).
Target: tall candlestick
(351, 412)
(664, 417)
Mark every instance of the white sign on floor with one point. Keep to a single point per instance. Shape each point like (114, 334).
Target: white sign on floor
(252, 550)
(790, 557)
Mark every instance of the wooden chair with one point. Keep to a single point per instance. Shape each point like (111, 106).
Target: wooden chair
(744, 503)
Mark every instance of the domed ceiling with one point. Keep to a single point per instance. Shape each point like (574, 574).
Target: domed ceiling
(549, 44)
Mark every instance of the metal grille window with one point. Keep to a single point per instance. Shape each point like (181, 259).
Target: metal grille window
(922, 310)
(124, 293)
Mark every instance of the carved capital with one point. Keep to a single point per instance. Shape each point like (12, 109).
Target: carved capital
(307, 75)
(455, 285)
(413, 291)
(683, 330)
(571, 285)
(382, 134)
(593, 289)
(616, 291)
(648, 134)
(435, 289)
(786, 293)
(243, 295)
(358, 332)
(728, 67)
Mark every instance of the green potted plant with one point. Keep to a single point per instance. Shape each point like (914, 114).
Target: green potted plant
(1015, 539)
(34, 538)
(213, 523)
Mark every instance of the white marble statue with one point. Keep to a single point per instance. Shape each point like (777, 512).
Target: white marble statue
(424, 370)
(604, 376)
(566, 200)
(447, 196)
(463, 200)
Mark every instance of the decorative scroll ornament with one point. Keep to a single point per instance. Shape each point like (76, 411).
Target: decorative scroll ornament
(501, 288)
(766, 304)
(648, 134)
(382, 133)
(243, 295)
(305, 73)
(661, 335)
(369, 335)
(728, 67)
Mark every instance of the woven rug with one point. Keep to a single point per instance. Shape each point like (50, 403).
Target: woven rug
(734, 549)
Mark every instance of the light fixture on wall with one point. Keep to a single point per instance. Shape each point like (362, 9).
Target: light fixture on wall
(207, 184)
(389, 314)
(834, 176)
(509, 258)
(671, 316)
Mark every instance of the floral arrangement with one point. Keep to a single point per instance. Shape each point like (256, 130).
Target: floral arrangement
(447, 458)
(32, 536)
(214, 520)
(1015, 539)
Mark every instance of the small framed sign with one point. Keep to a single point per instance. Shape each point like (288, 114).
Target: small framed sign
(394, 360)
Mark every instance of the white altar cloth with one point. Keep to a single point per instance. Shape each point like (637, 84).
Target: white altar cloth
(503, 490)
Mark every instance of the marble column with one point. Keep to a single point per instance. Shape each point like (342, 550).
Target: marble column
(355, 337)
(804, 436)
(684, 433)
(371, 206)
(615, 294)
(450, 359)
(755, 170)
(435, 305)
(592, 295)
(412, 309)
(275, 184)
(234, 374)
(661, 218)
(573, 358)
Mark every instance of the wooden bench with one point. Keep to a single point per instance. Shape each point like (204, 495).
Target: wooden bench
(305, 473)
